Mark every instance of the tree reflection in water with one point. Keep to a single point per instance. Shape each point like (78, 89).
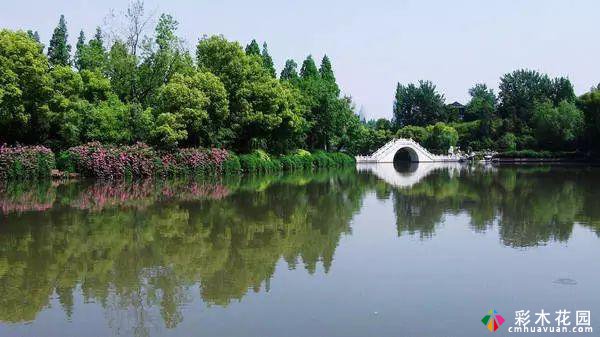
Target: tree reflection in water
(141, 250)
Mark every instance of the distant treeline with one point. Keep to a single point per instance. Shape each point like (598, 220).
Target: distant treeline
(531, 112)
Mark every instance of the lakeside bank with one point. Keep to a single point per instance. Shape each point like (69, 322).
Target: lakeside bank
(108, 162)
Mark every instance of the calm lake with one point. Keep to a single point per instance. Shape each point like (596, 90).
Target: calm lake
(419, 250)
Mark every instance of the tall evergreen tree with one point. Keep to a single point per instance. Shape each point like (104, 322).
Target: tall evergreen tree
(326, 70)
(309, 68)
(268, 61)
(34, 35)
(79, 50)
(59, 49)
(252, 48)
(290, 71)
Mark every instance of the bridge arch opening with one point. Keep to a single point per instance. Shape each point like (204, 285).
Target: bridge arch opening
(406, 155)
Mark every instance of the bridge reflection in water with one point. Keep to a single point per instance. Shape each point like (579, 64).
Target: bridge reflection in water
(407, 174)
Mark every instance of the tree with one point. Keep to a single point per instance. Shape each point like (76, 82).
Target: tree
(199, 102)
(268, 61)
(25, 88)
(418, 105)
(557, 128)
(34, 35)
(59, 50)
(79, 50)
(65, 105)
(326, 73)
(290, 71)
(441, 137)
(326, 70)
(562, 90)
(91, 56)
(137, 22)
(262, 109)
(252, 48)
(416, 133)
(309, 68)
(163, 58)
(590, 104)
(519, 91)
(121, 69)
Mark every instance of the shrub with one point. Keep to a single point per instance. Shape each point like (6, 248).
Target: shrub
(299, 160)
(232, 164)
(140, 160)
(25, 162)
(259, 161)
(323, 159)
(114, 162)
(540, 154)
(508, 142)
(416, 133)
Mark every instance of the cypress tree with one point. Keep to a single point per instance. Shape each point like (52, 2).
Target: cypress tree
(34, 35)
(289, 72)
(59, 50)
(309, 68)
(252, 48)
(268, 61)
(326, 70)
(79, 50)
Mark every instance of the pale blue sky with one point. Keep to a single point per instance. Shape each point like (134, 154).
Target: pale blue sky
(374, 44)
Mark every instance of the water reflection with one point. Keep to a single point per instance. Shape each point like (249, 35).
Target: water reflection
(137, 248)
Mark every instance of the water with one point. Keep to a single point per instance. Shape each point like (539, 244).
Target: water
(425, 250)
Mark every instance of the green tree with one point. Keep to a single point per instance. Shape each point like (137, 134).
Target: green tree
(199, 102)
(65, 107)
(121, 68)
(79, 50)
(309, 68)
(59, 50)
(290, 71)
(558, 127)
(91, 56)
(268, 61)
(418, 105)
(261, 108)
(25, 88)
(441, 137)
(416, 133)
(164, 58)
(590, 104)
(252, 48)
(519, 91)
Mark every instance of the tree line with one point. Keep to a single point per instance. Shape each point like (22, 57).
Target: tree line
(128, 87)
(531, 111)
(132, 86)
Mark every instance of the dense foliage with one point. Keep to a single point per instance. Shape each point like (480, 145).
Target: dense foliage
(125, 85)
(149, 88)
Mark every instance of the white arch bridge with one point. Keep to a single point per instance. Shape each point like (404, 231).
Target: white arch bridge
(416, 153)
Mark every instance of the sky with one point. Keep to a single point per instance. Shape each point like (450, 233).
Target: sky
(374, 44)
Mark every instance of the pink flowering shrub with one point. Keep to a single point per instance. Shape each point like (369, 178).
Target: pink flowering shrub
(140, 161)
(113, 162)
(24, 162)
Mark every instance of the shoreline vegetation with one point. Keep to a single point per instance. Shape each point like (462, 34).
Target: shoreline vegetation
(144, 94)
(108, 162)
